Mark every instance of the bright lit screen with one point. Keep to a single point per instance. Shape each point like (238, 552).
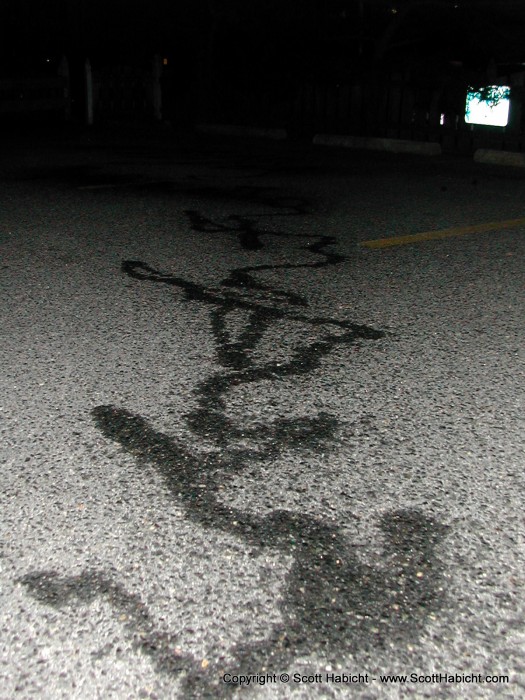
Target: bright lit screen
(488, 106)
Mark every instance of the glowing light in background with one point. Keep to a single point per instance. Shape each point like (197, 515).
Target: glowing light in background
(489, 106)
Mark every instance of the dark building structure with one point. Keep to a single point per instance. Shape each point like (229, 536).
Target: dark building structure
(371, 67)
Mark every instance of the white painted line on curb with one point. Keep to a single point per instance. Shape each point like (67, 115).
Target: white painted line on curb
(426, 148)
(115, 185)
(106, 186)
(234, 130)
(494, 157)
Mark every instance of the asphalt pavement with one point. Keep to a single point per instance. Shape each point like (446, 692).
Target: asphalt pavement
(245, 455)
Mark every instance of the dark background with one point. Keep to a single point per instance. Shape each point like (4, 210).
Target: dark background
(269, 50)
(268, 38)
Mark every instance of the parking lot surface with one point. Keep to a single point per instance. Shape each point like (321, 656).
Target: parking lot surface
(245, 454)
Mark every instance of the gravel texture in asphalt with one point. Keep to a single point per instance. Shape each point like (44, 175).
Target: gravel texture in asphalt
(239, 448)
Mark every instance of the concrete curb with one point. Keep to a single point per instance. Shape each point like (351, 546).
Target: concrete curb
(493, 157)
(233, 130)
(424, 148)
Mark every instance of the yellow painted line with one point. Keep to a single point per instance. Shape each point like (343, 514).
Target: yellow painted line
(443, 233)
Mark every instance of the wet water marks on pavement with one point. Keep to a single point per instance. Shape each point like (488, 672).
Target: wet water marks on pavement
(332, 602)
